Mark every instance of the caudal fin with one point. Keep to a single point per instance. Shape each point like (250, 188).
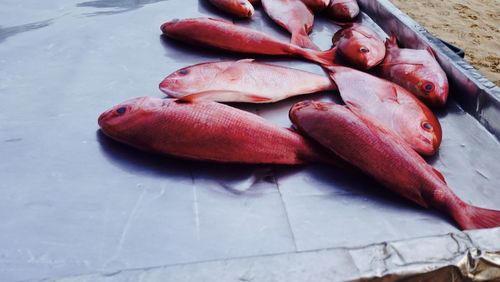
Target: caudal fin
(324, 58)
(303, 40)
(471, 217)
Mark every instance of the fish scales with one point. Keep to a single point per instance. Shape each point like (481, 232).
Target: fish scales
(206, 131)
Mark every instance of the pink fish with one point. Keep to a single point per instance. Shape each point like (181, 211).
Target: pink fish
(375, 150)
(391, 105)
(242, 81)
(416, 70)
(230, 37)
(206, 131)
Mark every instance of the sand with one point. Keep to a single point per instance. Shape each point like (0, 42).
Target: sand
(473, 25)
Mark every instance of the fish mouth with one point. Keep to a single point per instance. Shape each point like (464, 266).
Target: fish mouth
(164, 27)
(428, 147)
(165, 87)
(308, 104)
(303, 104)
(372, 63)
(108, 116)
(101, 120)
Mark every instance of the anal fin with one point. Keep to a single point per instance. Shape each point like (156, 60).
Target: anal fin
(224, 96)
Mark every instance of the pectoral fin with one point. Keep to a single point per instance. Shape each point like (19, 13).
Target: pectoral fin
(234, 71)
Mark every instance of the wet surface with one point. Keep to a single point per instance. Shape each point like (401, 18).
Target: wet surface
(13, 30)
(74, 202)
(109, 7)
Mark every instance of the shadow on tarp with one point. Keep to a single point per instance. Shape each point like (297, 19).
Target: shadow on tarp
(235, 179)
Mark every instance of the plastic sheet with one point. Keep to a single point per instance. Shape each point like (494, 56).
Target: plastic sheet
(74, 202)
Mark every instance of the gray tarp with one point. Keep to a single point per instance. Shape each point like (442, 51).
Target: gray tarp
(72, 202)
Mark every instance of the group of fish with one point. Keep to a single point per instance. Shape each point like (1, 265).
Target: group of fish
(383, 128)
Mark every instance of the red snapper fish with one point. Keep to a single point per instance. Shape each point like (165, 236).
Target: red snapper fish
(240, 8)
(206, 131)
(242, 81)
(391, 105)
(376, 151)
(343, 10)
(294, 16)
(416, 70)
(360, 46)
(316, 5)
(227, 36)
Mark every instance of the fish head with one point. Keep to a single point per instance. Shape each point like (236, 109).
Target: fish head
(188, 80)
(424, 135)
(343, 10)
(244, 8)
(307, 106)
(169, 26)
(124, 122)
(179, 82)
(361, 47)
(431, 85)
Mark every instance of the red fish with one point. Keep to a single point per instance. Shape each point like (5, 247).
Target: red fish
(316, 5)
(294, 16)
(228, 36)
(205, 131)
(343, 10)
(416, 70)
(242, 81)
(391, 105)
(240, 8)
(376, 151)
(360, 46)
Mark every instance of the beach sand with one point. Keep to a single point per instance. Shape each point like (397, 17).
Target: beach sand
(473, 25)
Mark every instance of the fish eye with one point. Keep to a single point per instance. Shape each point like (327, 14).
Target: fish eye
(121, 110)
(427, 126)
(183, 72)
(428, 87)
(363, 49)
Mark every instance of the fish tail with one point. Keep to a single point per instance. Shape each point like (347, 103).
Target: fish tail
(303, 40)
(324, 58)
(471, 217)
